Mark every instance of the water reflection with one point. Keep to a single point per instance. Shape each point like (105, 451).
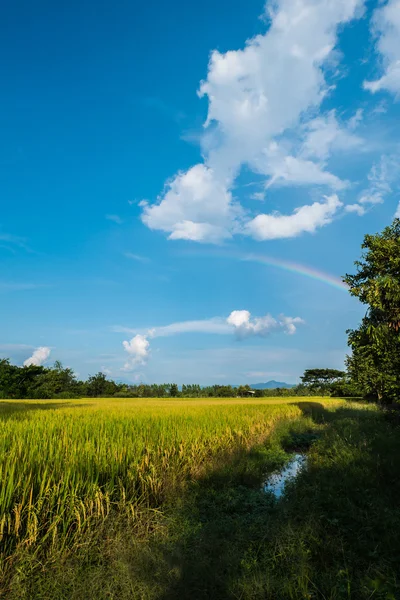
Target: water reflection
(276, 482)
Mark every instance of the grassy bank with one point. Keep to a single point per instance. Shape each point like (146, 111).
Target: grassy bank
(161, 499)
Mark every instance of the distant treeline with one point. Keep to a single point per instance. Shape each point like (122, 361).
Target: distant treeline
(38, 382)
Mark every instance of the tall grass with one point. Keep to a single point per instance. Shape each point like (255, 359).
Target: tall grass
(64, 466)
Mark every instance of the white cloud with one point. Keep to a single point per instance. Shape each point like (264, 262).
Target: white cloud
(214, 325)
(386, 25)
(370, 197)
(355, 208)
(245, 326)
(115, 218)
(381, 177)
(258, 196)
(285, 169)
(259, 100)
(39, 356)
(397, 213)
(356, 119)
(104, 370)
(304, 219)
(381, 108)
(196, 205)
(237, 321)
(261, 91)
(289, 323)
(325, 134)
(138, 349)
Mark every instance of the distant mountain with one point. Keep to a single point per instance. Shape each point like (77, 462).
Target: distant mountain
(271, 385)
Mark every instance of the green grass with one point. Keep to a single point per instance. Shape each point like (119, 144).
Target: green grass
(160, 498)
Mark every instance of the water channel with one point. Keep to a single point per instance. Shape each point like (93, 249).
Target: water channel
(276, 481)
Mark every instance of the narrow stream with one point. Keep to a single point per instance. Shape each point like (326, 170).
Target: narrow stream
(277, 481)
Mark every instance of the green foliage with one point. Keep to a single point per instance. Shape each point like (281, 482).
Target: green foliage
(374, 365)
(191, 391)
(36, 382)
(321, 380)
(173, 390)
(377, 281)
(99, 385)
(243, 390)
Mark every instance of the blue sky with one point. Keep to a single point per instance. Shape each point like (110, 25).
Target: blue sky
(154, 159)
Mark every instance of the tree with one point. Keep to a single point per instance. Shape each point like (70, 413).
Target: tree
(50, 383)
(243, 390)
(99, 385)
(374, 364)
(377, 281)
(9, 387)
(375, 361)
(321, 379)
(173, 390)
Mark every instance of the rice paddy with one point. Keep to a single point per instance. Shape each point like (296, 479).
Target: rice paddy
(65, 463)
(69, 467)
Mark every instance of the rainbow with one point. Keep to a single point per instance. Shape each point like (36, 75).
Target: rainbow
(293, 267)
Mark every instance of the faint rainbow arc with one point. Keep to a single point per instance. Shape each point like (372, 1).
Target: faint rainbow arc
(297, 268)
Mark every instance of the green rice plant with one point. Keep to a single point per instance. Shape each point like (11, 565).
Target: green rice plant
(65, 468)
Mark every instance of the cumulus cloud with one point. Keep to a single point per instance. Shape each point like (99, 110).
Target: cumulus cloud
(306, 218)
(245, 326)
(196, 205)
(289, 323)
(39, 356)
(386, 26)
(260, 99)
(397, 213)
(138, 349)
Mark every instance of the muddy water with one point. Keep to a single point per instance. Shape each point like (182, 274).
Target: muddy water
(277, 481)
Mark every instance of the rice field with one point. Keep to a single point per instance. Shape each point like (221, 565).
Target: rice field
(65, 464)
(158, 499)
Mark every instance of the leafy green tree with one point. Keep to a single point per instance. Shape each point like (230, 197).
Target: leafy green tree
(243, 390)
(173, 390)
(6, 378)
(99, 385)
(375, 361)
(374, 364)
(321, 379)
(377, 281)
(10, 382)
(50, 383)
